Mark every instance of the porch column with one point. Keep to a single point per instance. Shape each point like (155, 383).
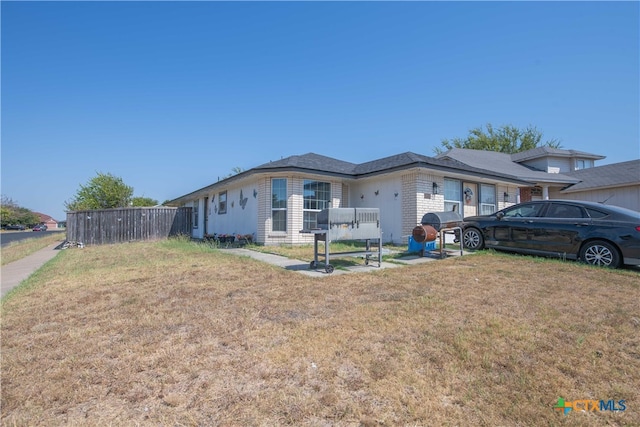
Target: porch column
(545, 192)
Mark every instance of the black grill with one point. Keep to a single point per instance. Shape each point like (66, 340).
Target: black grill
(440, 220)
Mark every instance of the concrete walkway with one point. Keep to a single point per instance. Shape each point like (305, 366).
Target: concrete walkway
(304, 268)
(12, 274)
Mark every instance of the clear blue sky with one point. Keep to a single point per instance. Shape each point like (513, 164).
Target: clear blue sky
(169, 96)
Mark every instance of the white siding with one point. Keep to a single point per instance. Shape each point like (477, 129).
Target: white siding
(551, 164)
(627, 197)
(403, 198)
(363, 195)
(399, 214)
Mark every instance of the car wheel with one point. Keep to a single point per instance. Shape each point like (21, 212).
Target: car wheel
(472, 239)
(600, 253)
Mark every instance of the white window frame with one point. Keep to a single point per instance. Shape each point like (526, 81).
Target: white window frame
(279, 209)
(453, 195)
(583, 164)
(488, 199)
(222, 203)
(194, 214)
(311, 206)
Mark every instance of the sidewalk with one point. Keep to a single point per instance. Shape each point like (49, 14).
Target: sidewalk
(14, 273)
(303, 267)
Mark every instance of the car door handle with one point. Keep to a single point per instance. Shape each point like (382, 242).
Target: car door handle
(582, 224)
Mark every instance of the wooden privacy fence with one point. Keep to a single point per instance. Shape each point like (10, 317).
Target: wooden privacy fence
(97, 227)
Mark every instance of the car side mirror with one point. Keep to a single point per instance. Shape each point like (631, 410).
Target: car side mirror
(499, 215)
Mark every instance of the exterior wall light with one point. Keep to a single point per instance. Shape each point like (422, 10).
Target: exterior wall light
(435, 188)
(506, 196)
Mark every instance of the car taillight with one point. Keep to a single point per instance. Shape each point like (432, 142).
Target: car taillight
(637, 227)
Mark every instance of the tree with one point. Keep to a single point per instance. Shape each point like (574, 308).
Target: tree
(234, 171)
(506, 139)
(101, 192)
(13, 214)
(143, 201)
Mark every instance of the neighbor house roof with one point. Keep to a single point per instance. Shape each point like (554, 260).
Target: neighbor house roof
(45, 217)
(409, 159)
(606, 176)
(538, 152)
(504, 163)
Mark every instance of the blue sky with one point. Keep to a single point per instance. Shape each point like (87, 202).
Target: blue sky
(169, 96)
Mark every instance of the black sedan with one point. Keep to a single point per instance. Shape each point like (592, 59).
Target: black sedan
(14, 227)
(594, 233)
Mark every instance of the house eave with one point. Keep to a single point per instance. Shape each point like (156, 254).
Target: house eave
(459, 170)
(579, 189)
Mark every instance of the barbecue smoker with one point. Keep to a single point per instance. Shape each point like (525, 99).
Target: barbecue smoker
(347, 224)
(437, 225)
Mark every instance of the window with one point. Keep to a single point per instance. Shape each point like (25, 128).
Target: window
(583, 164)
(594, 213)
(558, 210)
(194, 213)
(452, 195)
(524, 210)
(317, 196)
(487, 199)
(222, 203)
(279, 204)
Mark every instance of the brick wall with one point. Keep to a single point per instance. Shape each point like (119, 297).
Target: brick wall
(417, 198)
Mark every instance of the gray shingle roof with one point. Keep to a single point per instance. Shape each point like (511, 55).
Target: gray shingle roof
(409, 159)
(538, 152)
(502, 162)
(613, 175)
(312, 162)
(485, 164)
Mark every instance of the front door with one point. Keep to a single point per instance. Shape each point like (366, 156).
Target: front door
(207, 211)
(469, 199)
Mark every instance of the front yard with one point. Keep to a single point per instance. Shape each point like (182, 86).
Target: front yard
(178, 333)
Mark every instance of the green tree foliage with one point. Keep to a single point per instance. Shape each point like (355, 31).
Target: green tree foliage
(104, 191)
(13, 214)
(143, 202)
(234, 171)
(506, 139)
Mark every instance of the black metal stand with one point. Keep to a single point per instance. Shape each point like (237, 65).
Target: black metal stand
(321, 235)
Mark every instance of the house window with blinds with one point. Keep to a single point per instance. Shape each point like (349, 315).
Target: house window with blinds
(317, 196)
(487, 199)
(279, 204)
(194, 213)
(452, 195)
(222, 203)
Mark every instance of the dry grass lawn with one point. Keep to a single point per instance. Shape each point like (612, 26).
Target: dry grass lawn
(177, 333)
(20, 249)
